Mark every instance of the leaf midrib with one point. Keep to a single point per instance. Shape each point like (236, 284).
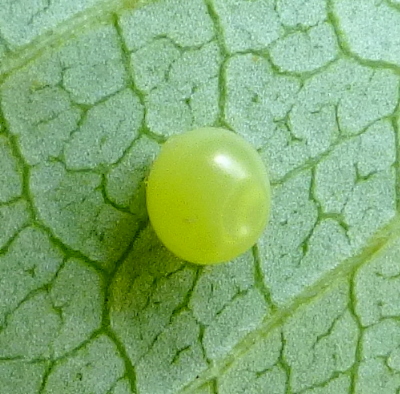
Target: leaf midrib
(96, 15)
(345, 270)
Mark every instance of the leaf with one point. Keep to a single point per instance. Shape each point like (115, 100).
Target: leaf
(91, 302)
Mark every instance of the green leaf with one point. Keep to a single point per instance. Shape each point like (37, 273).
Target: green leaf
(91, 302)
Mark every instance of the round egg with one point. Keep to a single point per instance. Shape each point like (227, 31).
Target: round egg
(208, 195)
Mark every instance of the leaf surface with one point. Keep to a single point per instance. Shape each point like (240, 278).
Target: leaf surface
(91, 302)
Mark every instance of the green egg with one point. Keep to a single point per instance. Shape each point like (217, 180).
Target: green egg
(208, 195)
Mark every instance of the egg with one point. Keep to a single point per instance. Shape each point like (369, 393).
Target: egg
(208, 195)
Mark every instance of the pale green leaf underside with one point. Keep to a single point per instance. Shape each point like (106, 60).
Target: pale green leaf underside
(90, 302)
